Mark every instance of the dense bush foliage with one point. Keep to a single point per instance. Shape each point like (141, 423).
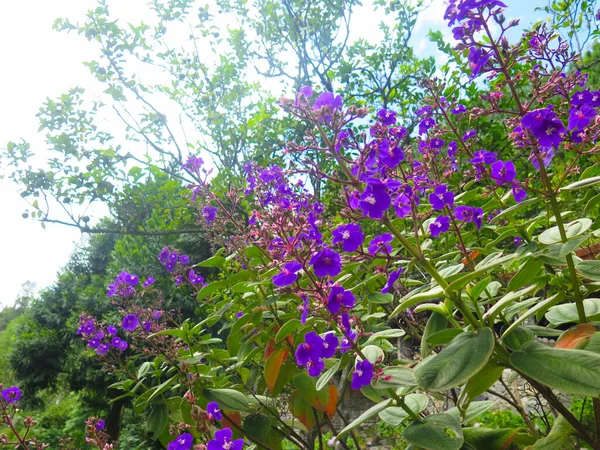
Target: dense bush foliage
(470, 232)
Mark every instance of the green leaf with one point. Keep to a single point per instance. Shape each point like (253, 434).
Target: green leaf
(582, 184)
(435, 432)
(507, 300)
(493, 260)
(393, 377)
(456, 363)
(437, 322)
(378, 298)
(328, 375)
(571, 371)
(385, 334)
(517, 338)
(287, 329)
(444, 337)
(372, 411)
(491, 438)
(515, 208)
(394, 415)
(541, 308)
(558, 438)
(162, 388)
(257, 426)
(158, 420)
(373, 353)
(474, 410)
(415, 297)
(483, 380)
(589, 269)
(567, 313)
(213, 261)
(306, 386)
(228, 399)
(572, 229)
(528, 270)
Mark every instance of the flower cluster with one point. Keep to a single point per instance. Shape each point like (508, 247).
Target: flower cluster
(314, 350)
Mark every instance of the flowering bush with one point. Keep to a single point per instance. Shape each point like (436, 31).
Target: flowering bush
(470, 252)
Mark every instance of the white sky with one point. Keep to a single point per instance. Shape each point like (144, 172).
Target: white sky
(38, 63)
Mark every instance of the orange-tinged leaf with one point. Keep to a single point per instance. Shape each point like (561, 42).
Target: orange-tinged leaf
(232, 417)
(302, 411)
(273, 366)
(321, 400)
(269, 348)
(333, 400)
(472, 255)
(575, 336)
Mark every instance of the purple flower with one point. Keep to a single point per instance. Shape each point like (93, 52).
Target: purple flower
(579, 118)
(392, 278)
(441, 197)
(326, 262)
(402, 205)
(147, 326)
(390, 156)
(310, 350)
(483, 157)
(545, 126)
(100, 425)
(375, 199)
(163, 256)
(330, 344)
(350, 235)
(184, 259)
(304, 308)
(93, 343)
(11, 395)
(210, 214)
(222, 441)
(519, 193)
(380, 244)
(195, 278)
(469, 134)
(582, 98)
(478, 58)
(517, 241)
(87, 328)
(458, 109)
(185, 442)
(214, 413)
(425, 125)
(130, 322)
(347, 328)
(156, 314)
(288, 274)
(305, 91)
(148, 281)
(119, 344)
(440, 225)
(102, 349)
(338, 297)
(503, 172)
(546, 154)
(470, 214)
(329, 101)
(363, 374)
(386, 117)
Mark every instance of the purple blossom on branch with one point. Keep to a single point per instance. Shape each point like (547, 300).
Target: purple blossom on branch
(326, 262)
(338, 297)
(380, 244)
(545, 126)
(349, 235)
(375, 199)
(183, 442)
(222, 441)
(363, 374)
(130, 322)
(11, 394)
(440, 225)
(441, 197)
(288, 274)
